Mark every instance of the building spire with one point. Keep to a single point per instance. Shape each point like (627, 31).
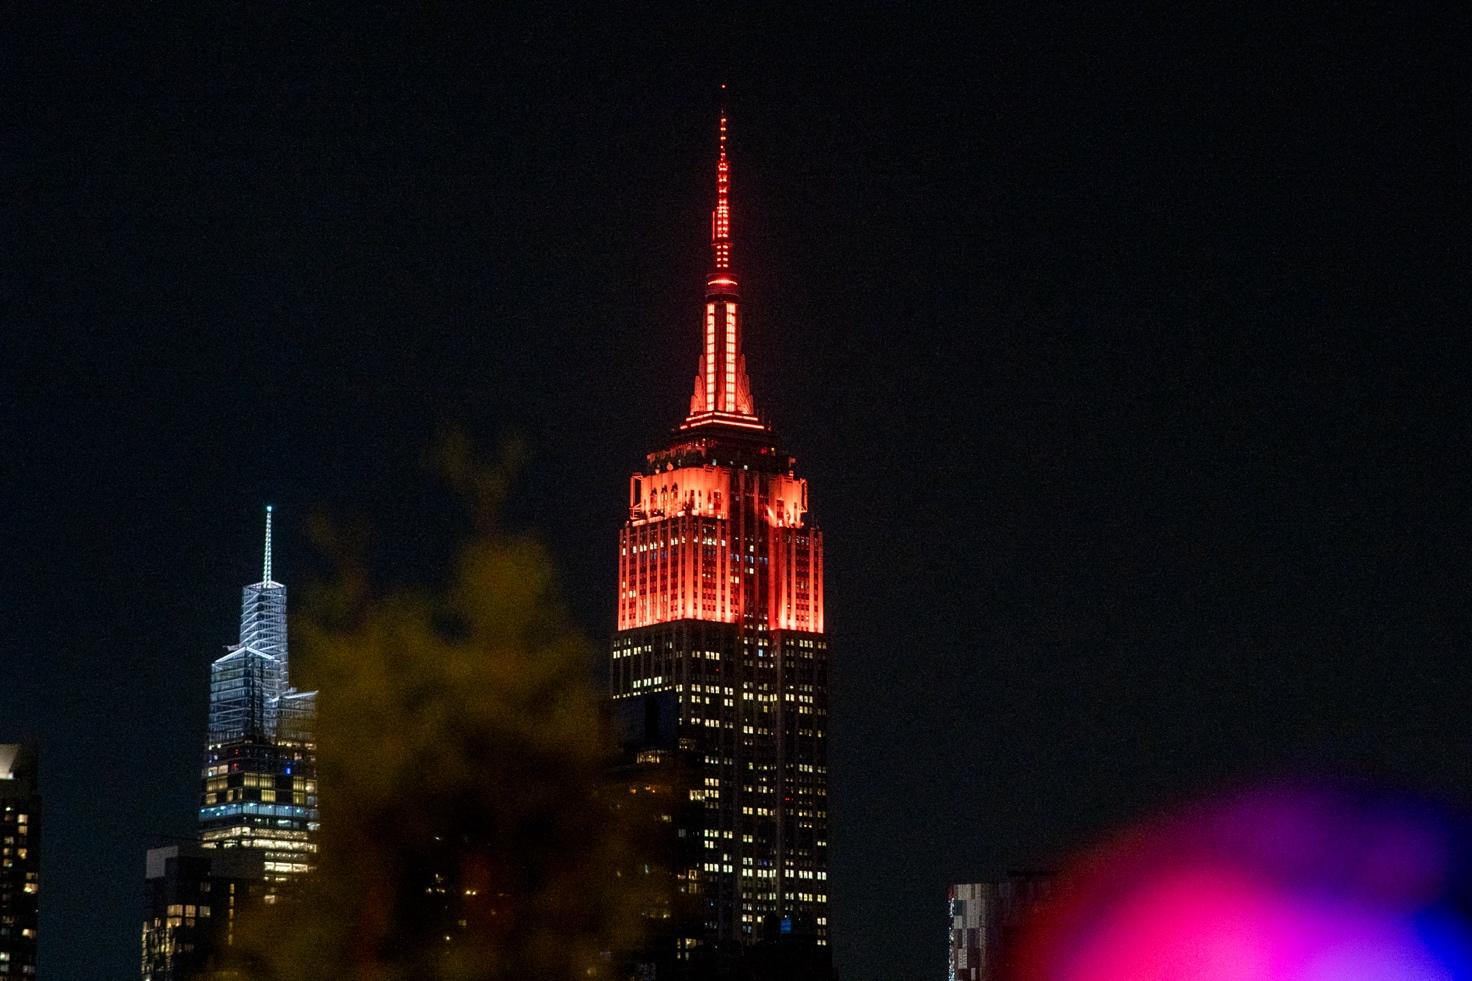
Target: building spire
(722, 393)
(721, 282)
(266, 579)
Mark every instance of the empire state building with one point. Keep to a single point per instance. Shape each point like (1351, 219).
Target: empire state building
(720, 662)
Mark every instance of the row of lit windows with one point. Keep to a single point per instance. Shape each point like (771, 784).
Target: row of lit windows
(288, 867)
(647, 546)
(252, 808)
(187, 909)
(254, 780)
(265, 796)
(275, 847)
(284, 831)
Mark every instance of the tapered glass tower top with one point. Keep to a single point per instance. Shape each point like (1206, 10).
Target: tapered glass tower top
(247, 683)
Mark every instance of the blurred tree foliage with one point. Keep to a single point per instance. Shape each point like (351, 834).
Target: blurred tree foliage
(461, 751)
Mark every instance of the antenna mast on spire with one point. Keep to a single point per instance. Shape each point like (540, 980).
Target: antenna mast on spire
(720, 219)
(266, 580)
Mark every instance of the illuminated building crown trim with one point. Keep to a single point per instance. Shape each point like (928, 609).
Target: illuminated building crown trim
(722, 393)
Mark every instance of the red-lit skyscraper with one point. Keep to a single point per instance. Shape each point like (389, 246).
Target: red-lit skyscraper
(720, 663)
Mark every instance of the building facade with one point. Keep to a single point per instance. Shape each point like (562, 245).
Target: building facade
(985, 920)
(20, 860)
(719, 670)
(260, 773)
(193, 899)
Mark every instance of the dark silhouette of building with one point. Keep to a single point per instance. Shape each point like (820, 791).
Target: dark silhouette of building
(193, 899)
(20, 860)
(719, 671)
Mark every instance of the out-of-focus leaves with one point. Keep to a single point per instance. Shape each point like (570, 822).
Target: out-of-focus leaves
(461, 751)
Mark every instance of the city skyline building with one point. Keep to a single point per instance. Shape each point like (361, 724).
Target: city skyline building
(719, 666)
(193, 899)
(985, 920)
(259, 780)
(20, 859)
(257, 816)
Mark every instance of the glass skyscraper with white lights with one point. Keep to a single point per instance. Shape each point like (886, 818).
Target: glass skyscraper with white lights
(258, 807)
(260, 775)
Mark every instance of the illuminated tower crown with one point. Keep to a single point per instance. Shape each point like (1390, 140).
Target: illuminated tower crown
(263, 612)
(247, 683)
(719, 667)
(722, 393)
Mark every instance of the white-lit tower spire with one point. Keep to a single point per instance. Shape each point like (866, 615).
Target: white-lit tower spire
(266, 576)
(263, 613)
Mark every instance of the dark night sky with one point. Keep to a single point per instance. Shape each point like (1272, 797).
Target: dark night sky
(1122, 354)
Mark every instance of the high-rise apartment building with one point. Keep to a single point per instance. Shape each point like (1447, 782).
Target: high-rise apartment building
(193, 900)
(719, 668)
(20, 860)
(260, 773)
